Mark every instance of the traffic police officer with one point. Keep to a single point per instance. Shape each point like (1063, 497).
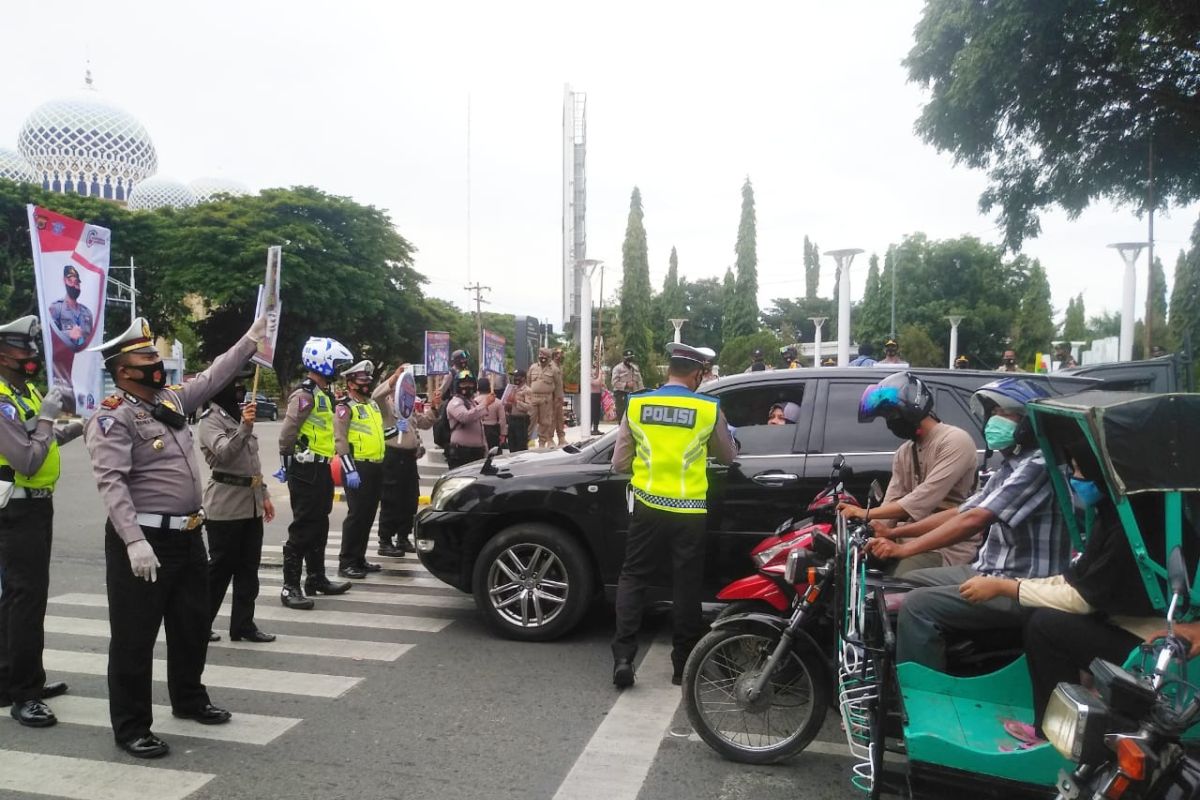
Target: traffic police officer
(626, 380)
(157, 570)
(517, 409)
(662, 440)
(359, 442)
(236, 504)
(29, 468)
(305, 448)
(401, 478)
(545, 393)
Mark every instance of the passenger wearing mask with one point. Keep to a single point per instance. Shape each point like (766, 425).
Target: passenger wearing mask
(757, 362)
(626, 380)
(783, 414)
(467, 439)
(933, 470)
(495, 421)
(1026, 536)
(1008, 363)
(865, 356)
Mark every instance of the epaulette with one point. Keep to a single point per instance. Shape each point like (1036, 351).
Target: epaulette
(175, 387)
(308, 385)
(112, 401)
(206, 412)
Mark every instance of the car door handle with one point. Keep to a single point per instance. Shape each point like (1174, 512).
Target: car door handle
(775, 478)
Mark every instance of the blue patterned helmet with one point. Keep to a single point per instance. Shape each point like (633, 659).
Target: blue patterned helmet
(1009, 394)
(325, 356)
(902, 393)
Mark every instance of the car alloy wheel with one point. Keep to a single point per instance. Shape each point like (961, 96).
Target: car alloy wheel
(528, 585)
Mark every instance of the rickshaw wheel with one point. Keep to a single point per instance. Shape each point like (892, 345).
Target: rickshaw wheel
(770, 728)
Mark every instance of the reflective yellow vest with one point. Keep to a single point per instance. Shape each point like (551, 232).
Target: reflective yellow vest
(318, 427)
(28, 408)
(671, 427)
(366, 431)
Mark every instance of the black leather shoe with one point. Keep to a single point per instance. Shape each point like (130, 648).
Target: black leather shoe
(209, 715)
(389, 550)
(53, 689)
(33, 714)
(148, 746)
(356, 572)
(367, 566)
(323, 585)
(677, 677)
(213, 636)
(623, 673)
(292, 597)
(403, 545)
(252, 636)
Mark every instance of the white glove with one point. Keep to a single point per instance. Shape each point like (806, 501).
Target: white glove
(263, 327)
(143, 561)
(52, 405)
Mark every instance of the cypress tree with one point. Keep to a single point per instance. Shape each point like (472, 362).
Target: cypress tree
(636, 306)
(744, 319)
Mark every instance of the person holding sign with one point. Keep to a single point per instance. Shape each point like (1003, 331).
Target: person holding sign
(402, 417)
(145, 466)
(358, 439)
(29, 469)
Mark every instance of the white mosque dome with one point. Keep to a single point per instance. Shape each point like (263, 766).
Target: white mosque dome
(15, 168)
(160, 192)
(87, 146)
(207, 188)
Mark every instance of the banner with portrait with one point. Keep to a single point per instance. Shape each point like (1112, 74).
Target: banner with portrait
(70, 268)
(269, 303)
(493, 354)
(437, 352)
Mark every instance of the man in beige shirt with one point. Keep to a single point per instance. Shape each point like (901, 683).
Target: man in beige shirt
(933, 470)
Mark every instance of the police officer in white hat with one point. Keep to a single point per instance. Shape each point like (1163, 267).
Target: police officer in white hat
(29, 468)
(157, 568)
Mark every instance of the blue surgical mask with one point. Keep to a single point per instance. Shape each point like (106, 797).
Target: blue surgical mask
(1000, 433)
(1087, 491)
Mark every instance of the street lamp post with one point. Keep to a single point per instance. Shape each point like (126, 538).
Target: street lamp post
(1129, 254)
(844, 258)
(678, 323)
(587, 267)
(817, 322)
(955, 319)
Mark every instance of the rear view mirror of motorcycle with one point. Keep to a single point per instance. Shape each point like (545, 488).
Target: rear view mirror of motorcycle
(1181, 590)
(875, 493)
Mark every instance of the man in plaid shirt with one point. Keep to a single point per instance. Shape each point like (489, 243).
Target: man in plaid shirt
(1026, 535)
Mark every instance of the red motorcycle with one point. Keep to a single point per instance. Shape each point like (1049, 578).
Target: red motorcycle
(767, 590)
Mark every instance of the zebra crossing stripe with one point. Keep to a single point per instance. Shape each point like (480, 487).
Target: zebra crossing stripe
(353, 649)
(445, 602)
(307, 684)
(351, 619)
(85, 779)
(242, 728)
(386, 578)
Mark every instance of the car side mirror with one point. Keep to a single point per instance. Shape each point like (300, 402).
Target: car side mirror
(1177, 575)
(487, 468)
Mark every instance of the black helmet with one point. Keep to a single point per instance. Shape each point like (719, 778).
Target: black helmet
(465, 377)
(902, 394)
(757, 354)
(459, 355)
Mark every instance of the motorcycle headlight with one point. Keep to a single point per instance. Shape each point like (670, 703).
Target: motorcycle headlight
(1075, 723)
(445, 491)
(764, 558)
(795, 562)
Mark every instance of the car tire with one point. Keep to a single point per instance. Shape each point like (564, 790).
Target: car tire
(533, 582)
(274, 414)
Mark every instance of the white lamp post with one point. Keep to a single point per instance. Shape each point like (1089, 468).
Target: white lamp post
(843, 258)
(1129, 254)
(817, 322)
(586, 268)
(678, 323)
(954, 320)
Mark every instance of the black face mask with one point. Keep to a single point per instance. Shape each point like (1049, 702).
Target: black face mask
(363, 387)
(902, 428)
(230, 400)
(72, 292)
(29, 367)
(153, 376)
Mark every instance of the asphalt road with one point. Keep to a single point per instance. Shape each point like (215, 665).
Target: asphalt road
(395, 690)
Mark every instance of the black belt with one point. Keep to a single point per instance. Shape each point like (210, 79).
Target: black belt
(236, 480)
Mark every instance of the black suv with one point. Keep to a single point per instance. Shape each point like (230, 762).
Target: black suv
(535, 535)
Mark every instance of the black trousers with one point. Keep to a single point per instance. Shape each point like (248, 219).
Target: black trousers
(1059, 644)
(518, 433)
(658, 538)
(310, 489)
(492, 434)
(25, 536)
(597, 410)
(401, 494)
(363, 503)
(136, 609)
(622, 401)
(234, 553)
(456, 456)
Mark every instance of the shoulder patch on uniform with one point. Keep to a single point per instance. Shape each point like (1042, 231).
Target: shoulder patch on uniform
(111, 402)
(304, 402)
(343, 410)
(106, 424)
(9, 411)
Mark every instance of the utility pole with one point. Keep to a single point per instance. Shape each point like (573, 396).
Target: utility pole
(1149, 326)
(479, 301)
(893, 271)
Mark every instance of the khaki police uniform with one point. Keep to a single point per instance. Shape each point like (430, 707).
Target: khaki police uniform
(233, 506)
(545, 394)
(401, 477)
(517, 408)
(663, 441)
(143, 459)
(626, 380)
(359, 440)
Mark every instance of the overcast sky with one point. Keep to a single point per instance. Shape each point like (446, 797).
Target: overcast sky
(685, 100)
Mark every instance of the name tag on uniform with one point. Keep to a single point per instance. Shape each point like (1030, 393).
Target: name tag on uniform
(668, 415)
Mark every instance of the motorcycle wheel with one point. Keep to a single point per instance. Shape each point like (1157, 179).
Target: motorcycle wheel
(775, 726)
(747, 607)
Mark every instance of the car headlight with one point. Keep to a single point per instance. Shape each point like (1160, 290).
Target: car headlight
(1075, 723)
(445, 491)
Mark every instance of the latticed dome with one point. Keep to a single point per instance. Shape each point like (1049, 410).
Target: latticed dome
(86, 146)
(159, 192)
(15, 168)
(206, 188)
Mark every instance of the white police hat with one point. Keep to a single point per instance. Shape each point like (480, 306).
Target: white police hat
(25, 333)
(701, 355)
(137, 338)
(364, 366)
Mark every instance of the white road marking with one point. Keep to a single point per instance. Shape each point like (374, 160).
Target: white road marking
(385, 578)
(819, 748)
(616, 760)
(307, 684)
(353, 619)
(448, 602)
(243, 728)
(84, 779)
(354, 649)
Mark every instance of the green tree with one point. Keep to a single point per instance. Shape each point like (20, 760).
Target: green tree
(874, 313)
(790, 319)
(812, 269)
(919, 349)
(1156, 306)
(636, 307)
(1075, 323)
(668, 305)
(1059, 102)
(1185, 296)
(735, 356)
(704, 308)
(729, 309)
(1034, 327)
(743, 305)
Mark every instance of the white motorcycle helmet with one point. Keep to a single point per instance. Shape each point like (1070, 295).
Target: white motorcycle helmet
(325, 356)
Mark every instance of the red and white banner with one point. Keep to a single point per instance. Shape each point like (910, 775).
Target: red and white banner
(70, 265)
